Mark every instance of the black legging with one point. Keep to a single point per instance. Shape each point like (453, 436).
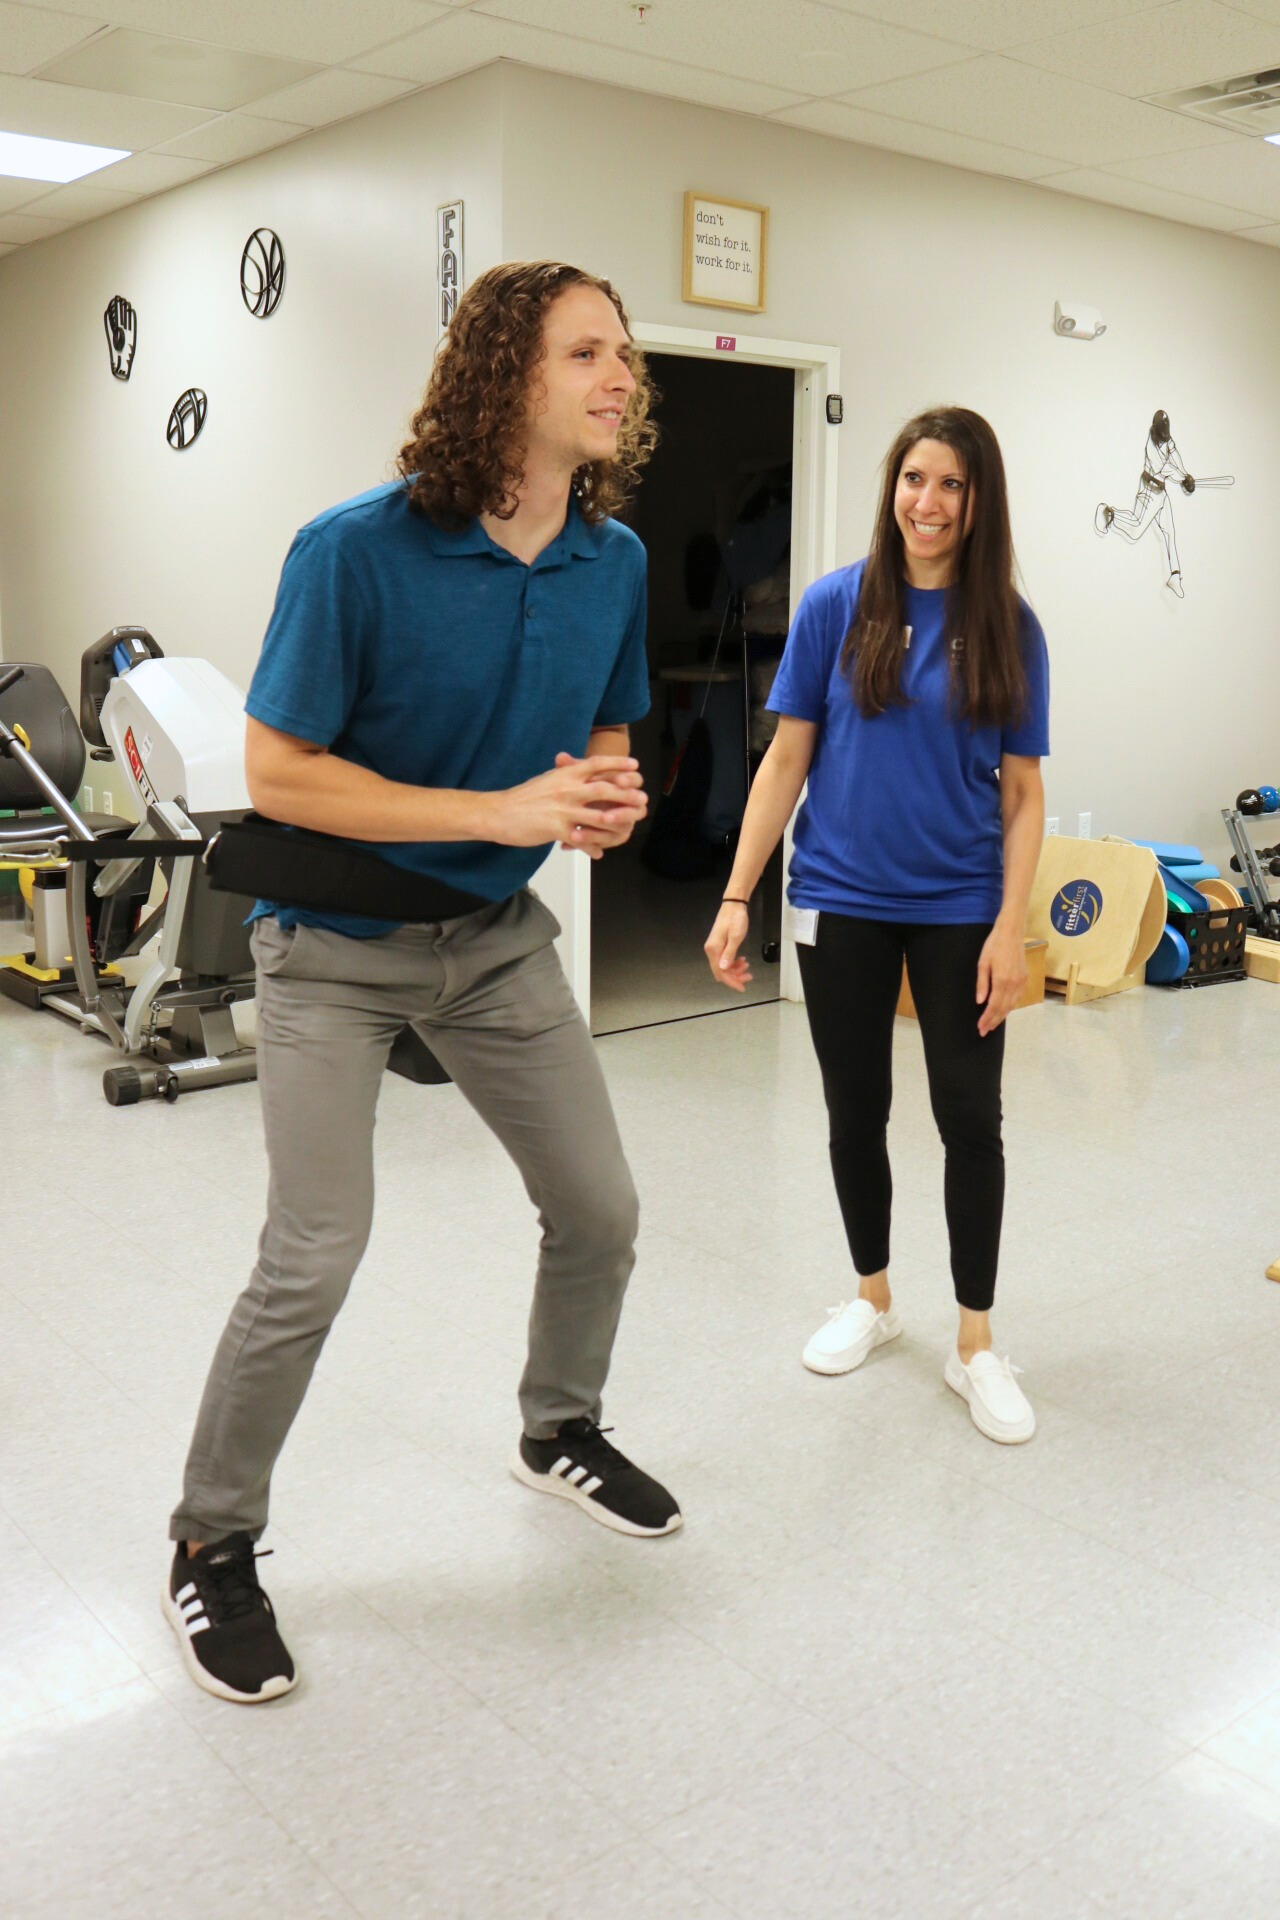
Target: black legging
(851, 981)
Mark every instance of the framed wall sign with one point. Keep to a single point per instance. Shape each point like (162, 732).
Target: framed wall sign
(726, 245)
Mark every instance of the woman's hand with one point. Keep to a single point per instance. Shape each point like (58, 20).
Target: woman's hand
(1002, 974)
(721, 946)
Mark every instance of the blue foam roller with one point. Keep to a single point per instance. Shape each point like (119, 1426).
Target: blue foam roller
(1170, 960)
(1182, 894)
(1170, 854)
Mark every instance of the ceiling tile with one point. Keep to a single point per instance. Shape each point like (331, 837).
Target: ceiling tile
(804, 47)
(1261, 9)
(995, 24)
(1184, 45)
(927, 143)
(18, 193)
(1244, 173)
(468, 40)
(29, 36)
(331, 96)
(19, 228)
(103, 119)
(191, 73)
(234, 137)
(327, 31)
(151, 173)
(995, 98)
(1138, 196)
(80, 202)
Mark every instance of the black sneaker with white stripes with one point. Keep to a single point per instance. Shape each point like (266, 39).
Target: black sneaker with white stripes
(225, 1624)
(579, 1464)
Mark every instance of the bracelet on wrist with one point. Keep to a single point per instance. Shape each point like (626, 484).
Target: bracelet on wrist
(731, 900)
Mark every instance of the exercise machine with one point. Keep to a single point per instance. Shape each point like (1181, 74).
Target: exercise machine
(175, 729)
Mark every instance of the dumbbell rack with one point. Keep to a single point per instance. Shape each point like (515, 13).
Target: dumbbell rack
(1266, 910)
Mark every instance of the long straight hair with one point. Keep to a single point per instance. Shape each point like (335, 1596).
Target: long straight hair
(988, 677)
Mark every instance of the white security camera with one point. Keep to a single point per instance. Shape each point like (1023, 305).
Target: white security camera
(1077, 321)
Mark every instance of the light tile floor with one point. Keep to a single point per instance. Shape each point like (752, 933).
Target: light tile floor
(888, 1669)
(646, 944)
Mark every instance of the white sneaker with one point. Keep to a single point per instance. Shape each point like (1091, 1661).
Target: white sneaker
(997, 1404)
(848, 1337)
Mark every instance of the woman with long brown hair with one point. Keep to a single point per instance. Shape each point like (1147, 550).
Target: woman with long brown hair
(913, 697)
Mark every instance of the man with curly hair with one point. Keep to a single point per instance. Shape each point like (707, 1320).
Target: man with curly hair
(448, 679)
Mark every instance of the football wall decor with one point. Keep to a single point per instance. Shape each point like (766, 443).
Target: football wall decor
(187, 418)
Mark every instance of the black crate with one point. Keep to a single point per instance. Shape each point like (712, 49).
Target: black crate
(1215, 941)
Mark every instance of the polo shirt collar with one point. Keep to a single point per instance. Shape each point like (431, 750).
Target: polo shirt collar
(580, 539)
(575, 540)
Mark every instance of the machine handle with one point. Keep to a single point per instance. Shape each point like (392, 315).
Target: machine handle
(15, 749)
(121, 847)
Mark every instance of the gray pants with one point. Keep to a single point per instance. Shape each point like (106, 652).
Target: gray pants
(488, 995)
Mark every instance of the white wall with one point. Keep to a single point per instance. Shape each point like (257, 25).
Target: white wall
(939, 285)
(936, 285)
(101, 523)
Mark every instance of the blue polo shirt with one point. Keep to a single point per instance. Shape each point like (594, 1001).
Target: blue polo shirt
(441, 660)
(902, 818)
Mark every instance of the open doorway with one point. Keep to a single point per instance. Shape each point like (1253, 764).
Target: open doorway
(715, 514)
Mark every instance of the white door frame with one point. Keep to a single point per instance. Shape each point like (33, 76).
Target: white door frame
(565, 879)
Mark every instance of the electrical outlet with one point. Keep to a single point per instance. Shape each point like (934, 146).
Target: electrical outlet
(86, 799)
(1086, 826)
(106, 801)
(1051, 825)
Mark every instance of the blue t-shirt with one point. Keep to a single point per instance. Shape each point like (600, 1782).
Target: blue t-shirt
(902, 819)
(440, 660)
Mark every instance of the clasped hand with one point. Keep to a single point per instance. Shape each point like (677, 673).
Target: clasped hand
(590, 804)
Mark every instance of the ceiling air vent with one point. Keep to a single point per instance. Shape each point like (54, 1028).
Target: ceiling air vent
(1248, 104)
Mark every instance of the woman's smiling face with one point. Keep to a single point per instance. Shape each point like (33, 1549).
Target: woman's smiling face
(928, 502)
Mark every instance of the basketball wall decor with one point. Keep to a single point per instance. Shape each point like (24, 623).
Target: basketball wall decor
(120, 323)
(262, 272)
(187, 418)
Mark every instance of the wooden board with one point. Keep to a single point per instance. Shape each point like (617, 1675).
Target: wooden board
(1099, 906)
(1031, 996)
(1262, 959)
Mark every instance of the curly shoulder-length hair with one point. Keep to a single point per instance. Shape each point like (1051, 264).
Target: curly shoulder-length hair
(465, 453)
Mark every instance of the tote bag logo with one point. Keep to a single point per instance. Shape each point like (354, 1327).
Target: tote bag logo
(1076, 908)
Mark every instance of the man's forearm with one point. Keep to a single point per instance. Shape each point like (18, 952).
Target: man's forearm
(331, 795)
(609, 740)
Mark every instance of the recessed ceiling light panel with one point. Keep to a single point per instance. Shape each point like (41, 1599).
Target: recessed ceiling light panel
(24, 157)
